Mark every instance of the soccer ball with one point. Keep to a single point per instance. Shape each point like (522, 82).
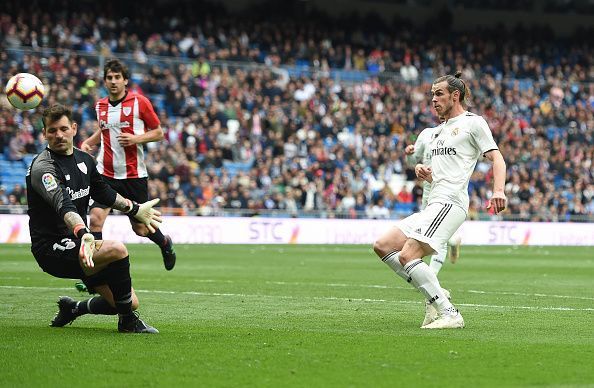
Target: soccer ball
(24, 91)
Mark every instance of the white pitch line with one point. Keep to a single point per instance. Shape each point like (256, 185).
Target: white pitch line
(383, 286)
(325, 298)
(525, 294)
(408, 288)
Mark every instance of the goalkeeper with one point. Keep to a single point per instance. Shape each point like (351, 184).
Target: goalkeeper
(60, 183)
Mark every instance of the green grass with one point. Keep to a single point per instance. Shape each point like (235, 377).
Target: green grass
(279, 316)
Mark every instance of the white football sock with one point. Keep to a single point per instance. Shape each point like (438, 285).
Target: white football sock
(425, 281)
(438, 259)
(392, 260)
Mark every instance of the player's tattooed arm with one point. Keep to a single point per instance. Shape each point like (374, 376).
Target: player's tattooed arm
(122, 204)
(72, 219)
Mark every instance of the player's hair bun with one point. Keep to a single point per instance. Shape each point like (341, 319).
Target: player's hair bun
(458, 74)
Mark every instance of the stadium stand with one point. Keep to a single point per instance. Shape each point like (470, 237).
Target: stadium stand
(310, 119)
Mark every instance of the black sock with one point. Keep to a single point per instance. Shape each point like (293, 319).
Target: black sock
(120, 285)
(157, 237)
(97, 235)
(97, 305)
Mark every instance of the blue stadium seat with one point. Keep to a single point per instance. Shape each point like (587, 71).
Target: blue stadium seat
(404, 208)
(27, 159)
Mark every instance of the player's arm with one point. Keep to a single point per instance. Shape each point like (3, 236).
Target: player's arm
(91, 141)
(414, 153)
(423, 172)
(128, 139)
(151, 121)
(484, 141)
(498, 200)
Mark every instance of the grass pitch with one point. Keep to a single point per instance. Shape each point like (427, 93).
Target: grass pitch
(272, 316)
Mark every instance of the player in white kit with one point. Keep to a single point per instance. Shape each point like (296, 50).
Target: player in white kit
(419, 155)
(455, 147)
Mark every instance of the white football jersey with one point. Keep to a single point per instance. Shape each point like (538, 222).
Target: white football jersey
(456, 146)
(422, 154)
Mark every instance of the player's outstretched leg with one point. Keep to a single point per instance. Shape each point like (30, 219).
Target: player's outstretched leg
(438, 259)
(454, 245)
(166, 244)
(425, 281)
(168, 253)
(70, 309)
(120, 284)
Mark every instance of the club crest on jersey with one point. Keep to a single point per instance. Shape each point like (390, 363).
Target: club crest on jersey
(455, 131)
(49, 182)
(82, 167)
(127, 110)
(67, 176)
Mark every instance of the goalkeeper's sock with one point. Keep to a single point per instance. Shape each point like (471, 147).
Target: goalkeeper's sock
(437, 260)
(97, 235)
(158, 238)
(97, 305)
(120, 285)
(425, 281)
(393, 261)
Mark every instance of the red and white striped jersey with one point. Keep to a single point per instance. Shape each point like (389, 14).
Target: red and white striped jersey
(134, 114)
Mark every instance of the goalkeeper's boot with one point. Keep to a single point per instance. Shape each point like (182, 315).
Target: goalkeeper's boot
(81, 287)
(431, 313)
(133, 324)
(450, 320)
(65, 314)
(168, 254)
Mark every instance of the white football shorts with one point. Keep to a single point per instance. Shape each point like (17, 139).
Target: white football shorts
(433, 225)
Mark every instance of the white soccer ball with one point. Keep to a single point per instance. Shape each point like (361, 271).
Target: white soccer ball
(24, 91)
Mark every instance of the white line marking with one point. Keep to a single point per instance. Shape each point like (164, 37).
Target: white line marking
(381, 286)
(328, 298)
(525, 294)
(408, 288)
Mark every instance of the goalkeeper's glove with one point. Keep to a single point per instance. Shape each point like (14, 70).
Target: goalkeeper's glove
(145, 213)
(87, 246)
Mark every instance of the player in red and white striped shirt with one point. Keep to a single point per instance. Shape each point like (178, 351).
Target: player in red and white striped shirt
(126, 121)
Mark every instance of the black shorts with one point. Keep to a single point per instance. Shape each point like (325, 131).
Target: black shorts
(59, 258)
(135, 189)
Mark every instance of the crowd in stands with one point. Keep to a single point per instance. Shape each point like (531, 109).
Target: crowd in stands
(262, 138)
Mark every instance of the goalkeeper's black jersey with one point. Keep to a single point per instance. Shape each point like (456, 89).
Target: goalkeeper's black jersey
(58, 184)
